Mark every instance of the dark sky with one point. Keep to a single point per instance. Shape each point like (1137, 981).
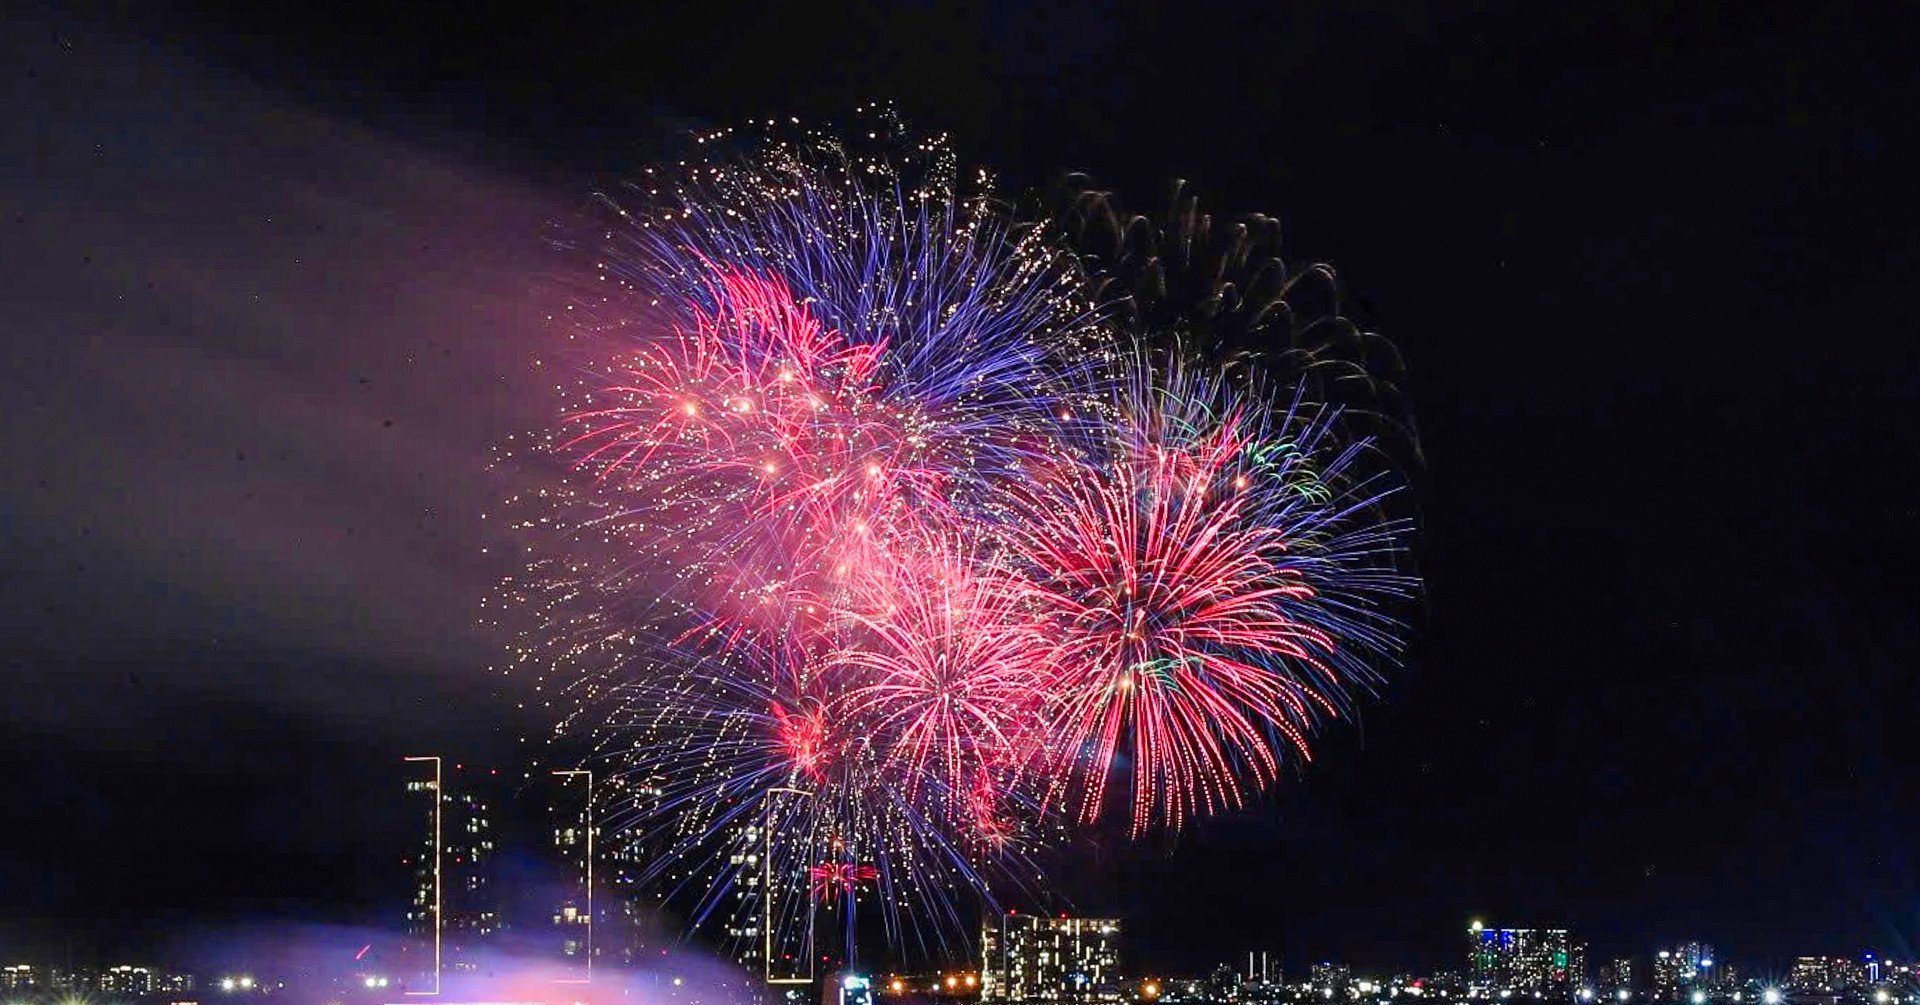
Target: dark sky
(271, 283)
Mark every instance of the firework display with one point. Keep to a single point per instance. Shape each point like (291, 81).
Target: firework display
(888, 549)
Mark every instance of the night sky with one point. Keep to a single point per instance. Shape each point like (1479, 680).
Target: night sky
(271, 285)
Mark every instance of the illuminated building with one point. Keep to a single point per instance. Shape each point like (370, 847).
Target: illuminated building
(628, 904)
(71, 982)
(454, 909)
(1809, 973)
(1330, 980)
(573, 831)
(1680, 969)
(19, 977)
(1537, 961)
(743, 927)
(770, 922)
(853, 989)
(1223, 984)
(1617, 976)
(1822, 974)
(129, 980)
(1027, 958)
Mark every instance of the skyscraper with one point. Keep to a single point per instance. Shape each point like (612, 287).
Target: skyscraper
(1029, 958)
(1522, 960)
(1824, 974)
(1617, 976)
(1331, 980)
(625, 903)
(573, 832)
(454, 909)
(1678, 969)
(738, 870)
(130, 981)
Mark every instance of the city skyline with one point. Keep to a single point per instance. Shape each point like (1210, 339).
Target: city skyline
(1648, 271)
(550, 825)
(1030, 958)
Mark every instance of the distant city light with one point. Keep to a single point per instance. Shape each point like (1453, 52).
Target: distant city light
(1623, 994)
(1698, 997)
(1771, 996)
(1586, 994)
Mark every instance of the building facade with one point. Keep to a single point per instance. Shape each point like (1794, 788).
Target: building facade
(1678, 970)
(1825, 974)
(1028, 958)
(1532, 961)
(1618, 976)
(1331, 980)
(453, 910)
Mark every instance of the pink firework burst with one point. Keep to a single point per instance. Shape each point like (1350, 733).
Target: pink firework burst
(804, 738)
(948, 670)
(760, 441)
(1169, 600)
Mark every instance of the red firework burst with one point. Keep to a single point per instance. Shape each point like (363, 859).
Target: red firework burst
(948, 671)
(1167, 600)
(803, 738)
(760, 439)
(833, 879)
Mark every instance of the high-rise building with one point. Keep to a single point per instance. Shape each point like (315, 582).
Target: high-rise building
(628, 903)
(598, 906)
(1617, 977)
(771, 925)
(454, 910)
(1223, 985)
(1330, 980)
(1534, 961)
(1680, 969)
(1027, 958)
(1822, 974)
(574, 834)
(130, 981)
